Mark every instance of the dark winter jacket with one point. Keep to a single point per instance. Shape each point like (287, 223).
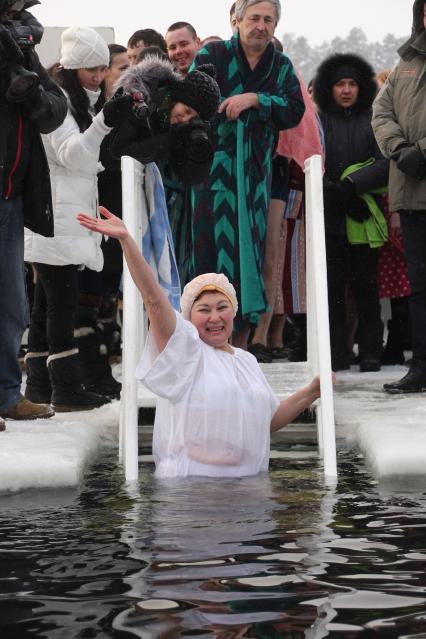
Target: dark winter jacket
(349, 138)
(399, 116)
(23, 166)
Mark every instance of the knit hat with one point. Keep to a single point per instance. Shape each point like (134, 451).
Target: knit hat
(345, 71)
(198, 90)
(207, 282)
(83, 48)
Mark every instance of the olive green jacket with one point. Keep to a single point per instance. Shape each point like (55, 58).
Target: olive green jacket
(399, 117)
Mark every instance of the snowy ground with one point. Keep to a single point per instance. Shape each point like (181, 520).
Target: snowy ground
(53, 453)
(389, 430)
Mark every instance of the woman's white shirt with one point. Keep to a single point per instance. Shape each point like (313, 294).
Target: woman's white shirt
(73, 161)
(214, 410)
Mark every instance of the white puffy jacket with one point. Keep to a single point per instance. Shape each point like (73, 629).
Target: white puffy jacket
(73, 161)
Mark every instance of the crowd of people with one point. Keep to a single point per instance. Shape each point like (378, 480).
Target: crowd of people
(229, 123)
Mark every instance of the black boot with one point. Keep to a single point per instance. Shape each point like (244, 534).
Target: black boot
(68, 392)
(38, 389)
(393, 353)
(95, 369)
(413, 382)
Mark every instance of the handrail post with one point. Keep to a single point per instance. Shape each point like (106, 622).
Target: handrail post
(133, 324)
(319, 357)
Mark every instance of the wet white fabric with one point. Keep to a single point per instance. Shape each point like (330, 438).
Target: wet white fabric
(214, 410)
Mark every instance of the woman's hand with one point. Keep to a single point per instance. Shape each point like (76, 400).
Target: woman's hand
(112, 226)
(314, 387)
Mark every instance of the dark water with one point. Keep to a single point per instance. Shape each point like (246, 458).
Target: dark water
(275, 557)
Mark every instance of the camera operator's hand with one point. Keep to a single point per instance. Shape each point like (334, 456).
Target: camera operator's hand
(117, 110)
(9, 48)
(411, 161)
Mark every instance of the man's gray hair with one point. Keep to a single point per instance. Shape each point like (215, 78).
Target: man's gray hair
(241, 7)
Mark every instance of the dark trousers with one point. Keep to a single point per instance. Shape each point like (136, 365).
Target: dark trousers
(54, 310)
(413, 226)
(354, 266)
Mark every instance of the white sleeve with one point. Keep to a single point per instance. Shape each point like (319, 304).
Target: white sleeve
(170, 373)
(76, 150)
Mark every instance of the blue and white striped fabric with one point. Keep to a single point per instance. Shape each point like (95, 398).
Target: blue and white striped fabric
(157, 241)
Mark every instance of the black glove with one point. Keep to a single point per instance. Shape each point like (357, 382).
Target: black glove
(118, 109)
(411, 161)
(358, 210)
(352, 205)
(338, 193)
(9, 49)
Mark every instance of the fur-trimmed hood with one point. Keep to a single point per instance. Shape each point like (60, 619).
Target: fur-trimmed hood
(325, 79)
(416, 44)
(158, 82)
(147, 76)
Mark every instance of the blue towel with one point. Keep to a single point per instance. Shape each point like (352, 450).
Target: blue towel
(157, 241)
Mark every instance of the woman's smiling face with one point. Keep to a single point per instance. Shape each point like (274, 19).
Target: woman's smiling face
(213, 316)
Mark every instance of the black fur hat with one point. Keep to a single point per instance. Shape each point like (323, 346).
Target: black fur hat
(335, 68)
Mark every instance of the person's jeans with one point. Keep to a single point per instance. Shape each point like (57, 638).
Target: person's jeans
(13, 300)
(413, 226)
(54, 309)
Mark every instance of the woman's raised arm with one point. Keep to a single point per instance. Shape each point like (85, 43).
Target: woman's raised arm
(161, 314)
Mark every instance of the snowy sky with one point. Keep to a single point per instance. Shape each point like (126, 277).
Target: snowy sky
(318, 21)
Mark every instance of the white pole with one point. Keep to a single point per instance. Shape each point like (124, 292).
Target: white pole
(132, 179)
(319, 356)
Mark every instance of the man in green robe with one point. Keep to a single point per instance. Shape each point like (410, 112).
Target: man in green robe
(260, 96)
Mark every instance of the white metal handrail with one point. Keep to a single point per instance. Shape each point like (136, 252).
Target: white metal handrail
(134, 323)
(318, 331)
(133, 329)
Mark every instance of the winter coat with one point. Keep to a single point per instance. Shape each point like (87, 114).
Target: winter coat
(399, 116)
(24, 170)
(349, 137)
(73, 159)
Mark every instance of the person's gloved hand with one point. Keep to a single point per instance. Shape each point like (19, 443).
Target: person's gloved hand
(352, 205)
(338, 193)
(358, 209)
(117, 110)
(36, 104)
(411, 161)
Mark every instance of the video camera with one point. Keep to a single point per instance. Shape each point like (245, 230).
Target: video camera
(19, 33)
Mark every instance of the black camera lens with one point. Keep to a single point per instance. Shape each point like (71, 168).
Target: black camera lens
(199, 147)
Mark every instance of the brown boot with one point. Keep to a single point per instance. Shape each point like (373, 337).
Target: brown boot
(25, 409)
(2, 425)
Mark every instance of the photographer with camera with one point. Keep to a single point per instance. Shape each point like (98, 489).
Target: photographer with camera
(30, 104)
(159, 115)
(164, 118)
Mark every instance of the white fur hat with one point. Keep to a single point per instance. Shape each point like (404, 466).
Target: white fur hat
(83, 48)
(207, 282)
